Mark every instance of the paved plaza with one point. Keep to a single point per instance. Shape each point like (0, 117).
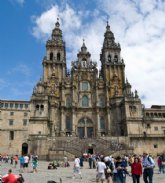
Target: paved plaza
(88, 175)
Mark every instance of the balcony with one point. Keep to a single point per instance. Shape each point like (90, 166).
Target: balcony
(146, 135)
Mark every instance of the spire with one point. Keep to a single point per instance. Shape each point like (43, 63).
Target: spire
(109, 39)
(57, 24)
(57, 33)
(108, 26)
(84, 52)
(56, 39)
(83, 48)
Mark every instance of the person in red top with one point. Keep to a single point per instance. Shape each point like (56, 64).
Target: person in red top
(10, 177)
(136, 170)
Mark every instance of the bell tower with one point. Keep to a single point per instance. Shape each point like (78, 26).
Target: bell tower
(112, 65)
(55, 59)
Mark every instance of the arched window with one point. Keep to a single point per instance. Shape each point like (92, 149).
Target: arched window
(109, 58)
(116, 58)
(84, 86)
(51, 56)
(68, 101)
(42, 107)
(37, 107)
(85, 101)
(58, 56)
(102, 123)
(68, 123)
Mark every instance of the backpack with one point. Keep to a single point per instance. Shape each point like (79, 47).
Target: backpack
(151, 161)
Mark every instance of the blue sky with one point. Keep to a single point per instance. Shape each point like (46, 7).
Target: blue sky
(138, 25)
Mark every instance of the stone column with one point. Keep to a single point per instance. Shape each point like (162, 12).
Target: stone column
(108, 122)
(85, 126)
(74, 124)
(98, 123)
(62, 123)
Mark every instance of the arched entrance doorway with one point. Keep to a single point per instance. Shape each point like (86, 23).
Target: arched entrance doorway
(85, 128)
(24, 148)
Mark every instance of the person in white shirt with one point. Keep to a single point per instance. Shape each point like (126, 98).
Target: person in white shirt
(76, 168)
(26, 163)
(100, 171)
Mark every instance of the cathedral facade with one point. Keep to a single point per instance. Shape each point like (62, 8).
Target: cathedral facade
(85, 110)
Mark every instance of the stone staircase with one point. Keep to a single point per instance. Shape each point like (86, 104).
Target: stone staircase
(76, 147)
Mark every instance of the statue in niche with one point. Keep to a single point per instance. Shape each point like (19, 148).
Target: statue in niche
(116, 90)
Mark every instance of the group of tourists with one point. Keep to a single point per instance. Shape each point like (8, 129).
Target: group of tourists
(109, 169)
(24, 161)
(115, 170)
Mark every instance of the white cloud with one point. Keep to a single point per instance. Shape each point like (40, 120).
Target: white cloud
(138, 25)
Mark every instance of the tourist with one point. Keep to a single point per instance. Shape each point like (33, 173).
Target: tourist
(15, 161)
(21, 160)
(100, 176)
(163, 162)
(26, 163)
(120, 170)
(159, 163)
(148, 165)
(109, 169)
(35, 164)
(10, 177)
(11, 160)
(90, 161)
(136, 170)
(76, 168)
(82, 161)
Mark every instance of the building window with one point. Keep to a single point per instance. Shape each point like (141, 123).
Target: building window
(1, 105)
(116, 58)
(155, 145)
(58, 57)
(84, 86)
(16, 106)
(85, 101)
(42, 107)
(156, 128)
(25, 122)
(101, 101)
(11, 135)
(164, 132)
(11, 122)
(11, 105)
(25, 114)
(68, 101)
(147, 114)
(68, 123)
(102, 123)
(11, 113)
(26, 106)
(21, 106)
(109, 58)
(6, 105)
(37, 107)
(51, 56)
(148, 125)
